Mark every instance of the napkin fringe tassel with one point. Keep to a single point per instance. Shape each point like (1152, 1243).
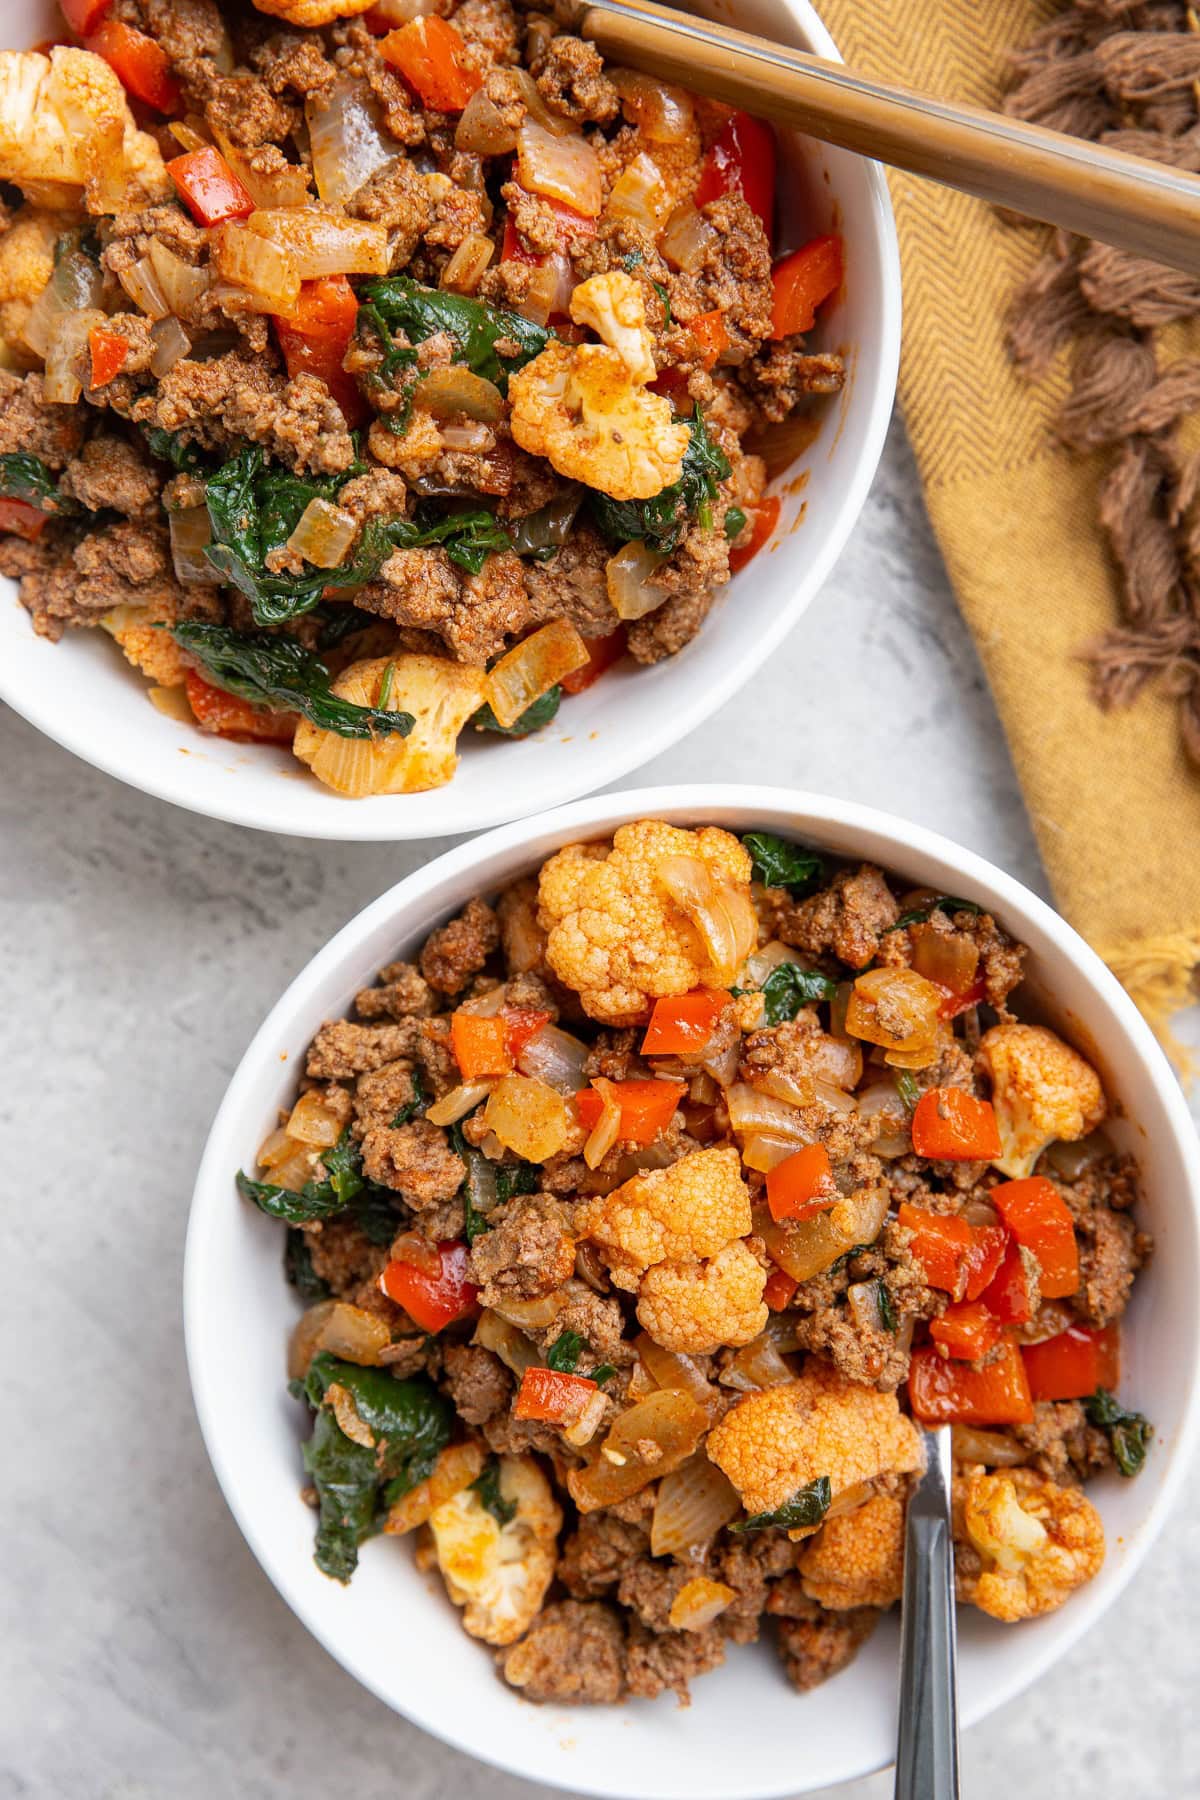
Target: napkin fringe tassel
(1159, 973)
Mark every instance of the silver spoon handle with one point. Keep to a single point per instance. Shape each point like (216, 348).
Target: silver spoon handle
(927, 1744)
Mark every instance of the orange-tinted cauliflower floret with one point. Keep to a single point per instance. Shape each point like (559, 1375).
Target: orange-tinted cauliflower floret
(858, 1558)
(1038, 1542)
(694, 1307)
(615, 935)
(311, 14)
(776, 1441)
(682, 1214)
(1043, 1092)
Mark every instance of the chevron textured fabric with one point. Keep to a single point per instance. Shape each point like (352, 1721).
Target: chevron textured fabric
(1115, 806)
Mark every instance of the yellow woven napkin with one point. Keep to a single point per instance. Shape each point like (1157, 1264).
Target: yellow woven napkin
(1115, 806)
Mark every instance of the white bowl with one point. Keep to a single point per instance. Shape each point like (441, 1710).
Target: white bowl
(395, 1631)
(82, 693)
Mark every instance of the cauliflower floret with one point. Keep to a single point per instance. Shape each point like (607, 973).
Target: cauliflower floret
(858, 1558)
(312, 14)
(577, 406)
(1043, 1092)
(138, 630)
(500, 1573)
(1037, 1541)
(682, 1214)
(695, 1307)
(26, 265)
(615, 935)
(441, 695)
(65, 125)
(613, 305)
(776, 1441)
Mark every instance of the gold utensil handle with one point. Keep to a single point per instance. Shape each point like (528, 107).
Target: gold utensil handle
(1123, 200)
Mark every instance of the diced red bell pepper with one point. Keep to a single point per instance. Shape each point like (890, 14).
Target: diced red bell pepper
(766, 518)
(430, 53)
(950, 1125)
(228, 716)
(602, 652)
(480, 1045)
(144, 68)
(742, 161)
(779, 1289)
(802, 281)
(521, 1023)
(22, 519)
(801, 1185)
(710, 336)
(208, 186)
(83, 16)
(647, 1107)
(315, 337)
(1012, 1293)
(944, 1392)
(433, 1301)
(954, 1003)
(1075, 1363)
(672, 384)
(984, 1255)
(940, 1242)
(513, 247)
(967, 1330)
(681, 1024)
(552, 1395)
(108, 354)
(1038, 1217)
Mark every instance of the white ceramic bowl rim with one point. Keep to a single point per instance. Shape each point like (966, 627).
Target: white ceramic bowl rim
(77, 694)
(450, 877)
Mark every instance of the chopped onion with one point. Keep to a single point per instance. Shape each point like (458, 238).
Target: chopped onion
(850, 1499)
(458, 1102)
(796, 1090)
(505, 1341)
(172, 703)
(721, 1065)
(445, 392)
(564, 168)
(403, 12)
(764, 962)
(345, 138)
(896, 1008)
(528, 1117)
(1070, 1160)
(485, 1006)
(863, 1299)
(261, 268)
(629, 577)
(880, 1102)
(589, 1421)
(753, 1112)
(179, 283)
(279, 187)
(481, 130)
(186, 135)
(141, 282)
(698, 1602)
(662, 114)
(688, 238)
(280, 1144)
(171, 342)
(346, 1330)
(835, 1098)
(1050, 1320)
(414, 1248)
(607, 1128)
(535, 105)
(980, 1212)
(692, 1504)
(191, 533)
(76, 284)
(67, 358)
(532, 1315)
(313, 1121)
(764, 1152)
(467, 434)
(948, 957)
(640, 194)
(323, 533)
(805, 1247)
(722, 912)
(995, 1449)
(320, 243)
(540, 295)
(456, 1468)
(648, 1441)
(673, 1369)
(463, 272)
(556, 1058)
(532, 668)
(757, 1365)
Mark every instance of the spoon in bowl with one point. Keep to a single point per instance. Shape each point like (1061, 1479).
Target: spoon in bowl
(927, 1740)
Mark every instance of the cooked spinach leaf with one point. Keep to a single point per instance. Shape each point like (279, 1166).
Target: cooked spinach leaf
(947, 903)
(339, 622)
(476, 1186)
(298, 1268)
(417, 1104)
(278, 672)
(564, 1352)
(532, 719)
(516, 1178)
(908, 1088)
(604, 1372)
(807, 1506)
(343, 1182)
(488, 1488)
(1130, 1433)
(735, 522)
(789, 987)
(542, 534)
(477, 328)
(173, 447)
(26, 477)
(410, 1422)
(374, 1212)
(468, 538)
(661, 522)
(778, 863)
(887, 1308)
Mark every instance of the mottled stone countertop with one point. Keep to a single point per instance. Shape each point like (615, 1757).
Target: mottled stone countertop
(144, 1656)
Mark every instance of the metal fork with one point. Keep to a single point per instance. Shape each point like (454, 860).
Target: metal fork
(927, 1740)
